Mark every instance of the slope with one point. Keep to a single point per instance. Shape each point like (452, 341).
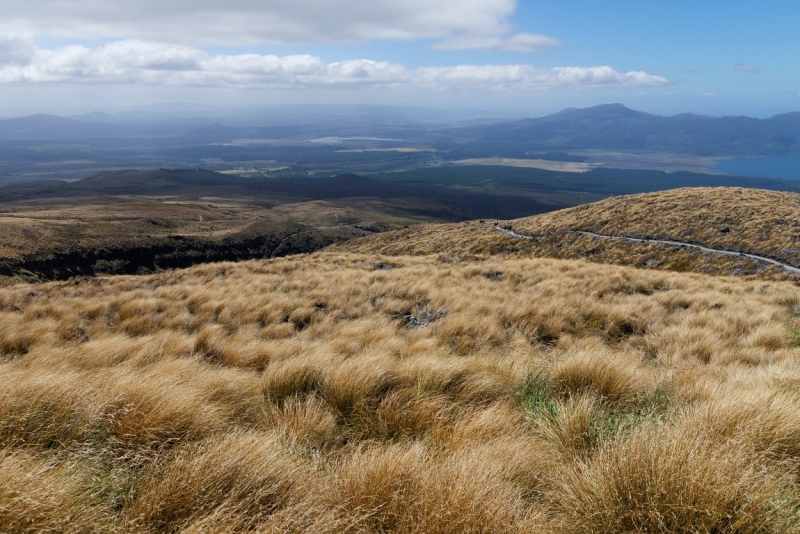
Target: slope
(758, 222)
(351, 392)
(356, 393)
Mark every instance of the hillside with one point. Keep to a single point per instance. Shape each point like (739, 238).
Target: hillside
(357, 393)
(127, 222)
(433, 379)
(759, 222)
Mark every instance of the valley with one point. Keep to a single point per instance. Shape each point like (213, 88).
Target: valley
(127, 222)
(286, 141)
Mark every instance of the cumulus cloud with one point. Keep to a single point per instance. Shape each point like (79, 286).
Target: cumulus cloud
(518, 42)
(744, 67)
(457, 23)
(156, 64)
(15, 50)
(523, 76)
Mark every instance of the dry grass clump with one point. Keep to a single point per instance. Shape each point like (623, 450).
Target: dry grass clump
(409, 489)
(767, 420)
(40, 494)
(663, 481)
(602, 373)
(46, 409)
(249, 476)
(322, 394)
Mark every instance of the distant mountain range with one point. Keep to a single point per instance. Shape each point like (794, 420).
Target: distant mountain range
(616, 127)
(51, 127)
(294, 121)
(604, 127)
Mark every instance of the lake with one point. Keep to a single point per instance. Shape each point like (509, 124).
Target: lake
(774, 167)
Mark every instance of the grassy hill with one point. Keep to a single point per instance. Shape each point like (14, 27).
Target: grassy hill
(453, 384)
(765, 223)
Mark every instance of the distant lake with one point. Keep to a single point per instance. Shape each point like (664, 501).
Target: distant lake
(777, 167)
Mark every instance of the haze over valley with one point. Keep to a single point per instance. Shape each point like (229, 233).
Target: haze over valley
(330, 139)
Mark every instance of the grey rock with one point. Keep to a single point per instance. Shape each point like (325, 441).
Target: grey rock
(495, 276)
(422, 317)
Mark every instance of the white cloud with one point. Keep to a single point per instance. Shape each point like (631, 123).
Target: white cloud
(246, 22)
(15, 50)
(527, 76)
(518, 42)
(131, 62)
(744, 67)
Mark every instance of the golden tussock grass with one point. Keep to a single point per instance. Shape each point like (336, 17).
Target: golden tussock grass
(757, 220)
(663, 481)
(39, 493)
(765, 223)
(326, 393)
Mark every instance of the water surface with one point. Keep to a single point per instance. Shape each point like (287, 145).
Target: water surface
(774, 167)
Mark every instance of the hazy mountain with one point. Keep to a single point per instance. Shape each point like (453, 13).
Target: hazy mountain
(224, 124)
(616, 127)
(609, 126)
(52, 127)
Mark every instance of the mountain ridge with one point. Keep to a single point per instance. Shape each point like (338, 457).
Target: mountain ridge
(614, 126)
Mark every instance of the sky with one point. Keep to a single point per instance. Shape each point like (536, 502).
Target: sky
(717, 57)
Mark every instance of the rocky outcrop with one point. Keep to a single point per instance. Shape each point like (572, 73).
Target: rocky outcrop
(172, 252)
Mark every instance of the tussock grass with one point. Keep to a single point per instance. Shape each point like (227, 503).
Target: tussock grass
(659, 480)
(765, 223)
(40, 494)
(248, 476)
(612, 379)
(411, 489)
(295, 396)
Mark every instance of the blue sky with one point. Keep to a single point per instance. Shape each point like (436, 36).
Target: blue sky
(505, 56)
